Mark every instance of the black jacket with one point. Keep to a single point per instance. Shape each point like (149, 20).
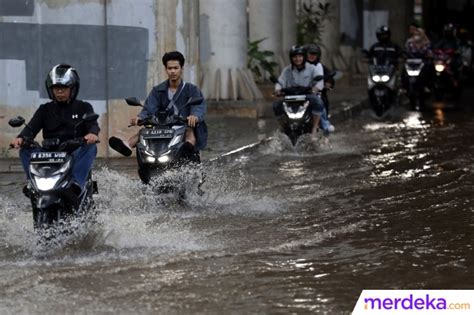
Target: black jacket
(385, 52)
(327, 77)
(58, 121)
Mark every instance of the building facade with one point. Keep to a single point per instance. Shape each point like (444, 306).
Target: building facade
(116, 46)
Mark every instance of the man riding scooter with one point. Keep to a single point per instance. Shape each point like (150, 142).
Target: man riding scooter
(301, 73)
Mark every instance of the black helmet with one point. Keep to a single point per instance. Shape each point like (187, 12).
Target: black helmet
(383, 33)
(315, 50)
(297, 50)
(63, 74)
(449, 30)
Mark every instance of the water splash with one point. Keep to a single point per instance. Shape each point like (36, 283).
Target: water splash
(307, 146)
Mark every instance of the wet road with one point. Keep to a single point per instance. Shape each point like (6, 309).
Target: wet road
(384, 204)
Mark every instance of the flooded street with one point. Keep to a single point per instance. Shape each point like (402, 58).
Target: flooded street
(384, 205)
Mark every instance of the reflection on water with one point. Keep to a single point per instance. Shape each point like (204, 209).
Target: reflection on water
(292, 169)
(439, 119)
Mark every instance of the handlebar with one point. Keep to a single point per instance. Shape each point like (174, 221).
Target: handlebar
(73, 144)
(297, 90)
(27, 143)
(69, 145)
(153, 121)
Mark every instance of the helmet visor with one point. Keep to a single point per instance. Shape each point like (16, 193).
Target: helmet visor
(62, 77)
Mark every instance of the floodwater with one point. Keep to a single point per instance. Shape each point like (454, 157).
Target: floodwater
(383, 205)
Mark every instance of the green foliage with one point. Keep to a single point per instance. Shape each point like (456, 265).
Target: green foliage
(310, 25)
(260, 60)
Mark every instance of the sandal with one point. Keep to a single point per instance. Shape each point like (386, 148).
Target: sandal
(119, 146)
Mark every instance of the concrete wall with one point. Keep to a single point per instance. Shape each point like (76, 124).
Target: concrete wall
(399, 15)
(116, 46)
(223, 52)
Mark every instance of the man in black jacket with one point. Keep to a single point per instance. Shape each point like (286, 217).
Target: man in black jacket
(60, 119)
(384, 50)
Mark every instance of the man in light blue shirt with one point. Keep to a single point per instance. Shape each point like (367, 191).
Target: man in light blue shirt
(301, 73)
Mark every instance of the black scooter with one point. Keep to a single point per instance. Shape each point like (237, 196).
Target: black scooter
(381, 84)
(50, 179)
(161, 144)
(412, 79)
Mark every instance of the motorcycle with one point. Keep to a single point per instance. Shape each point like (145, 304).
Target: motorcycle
(413, 83)
(48, 186)
(161, 144)
(446, 83)
(381, 86)
(297, 119)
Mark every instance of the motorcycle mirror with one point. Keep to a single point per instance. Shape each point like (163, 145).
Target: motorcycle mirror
(16, 122)
(195, 101)
(90, 116)
(133, 101)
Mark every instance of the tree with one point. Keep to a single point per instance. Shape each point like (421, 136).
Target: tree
(310, 25)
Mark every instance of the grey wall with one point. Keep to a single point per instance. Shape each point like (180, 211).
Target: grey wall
(106, 57)
(17, 7)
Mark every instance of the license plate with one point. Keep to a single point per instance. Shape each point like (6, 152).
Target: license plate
(48, 157)
(158, 133)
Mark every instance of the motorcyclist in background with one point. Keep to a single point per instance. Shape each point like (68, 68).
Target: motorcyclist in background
(466, 47)
(418, 45)
(301, 73)
(450, 43)
(449, 39)
(384, 49)
(314, 57)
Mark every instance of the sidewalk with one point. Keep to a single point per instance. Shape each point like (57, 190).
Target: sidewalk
(232, 124)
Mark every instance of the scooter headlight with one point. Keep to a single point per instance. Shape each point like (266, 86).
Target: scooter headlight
(413, 73)
(385, 78)
(299, 113)
(163, 159)
(439, 67)
(150, 159)
(46, 183)
(376, 78)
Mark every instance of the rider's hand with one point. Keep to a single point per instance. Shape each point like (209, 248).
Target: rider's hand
(134, 121)
(327, 85)
(91, 138)
(192, 120)
(16, 143)
(278, 93)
